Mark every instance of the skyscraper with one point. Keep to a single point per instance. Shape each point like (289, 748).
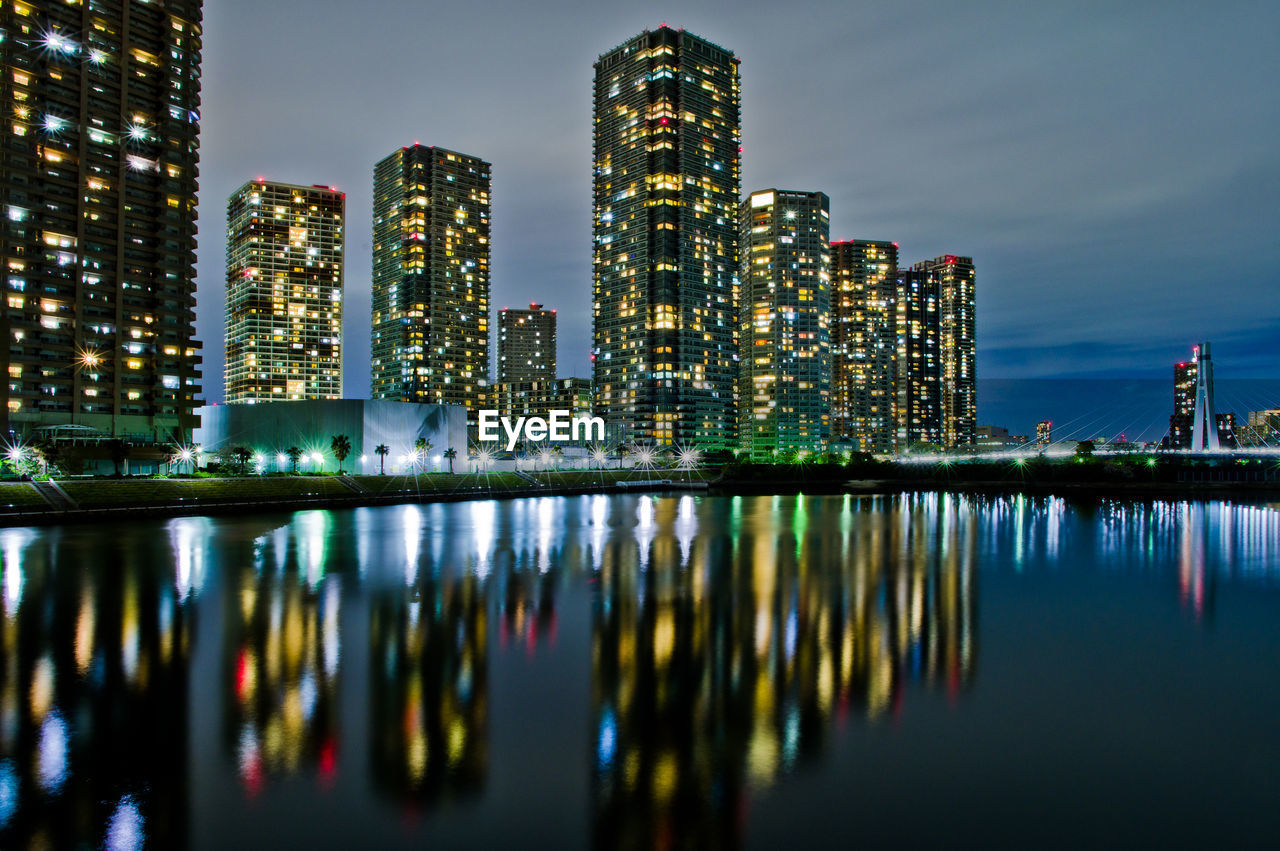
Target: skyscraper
(785, 305)
(919, 375)
(666, 183)
(1184, 401)
(1193, 408)
(958, 397)
(864, 332)
(98, 187)
(1044, 434)
(431, 277)
(284, 292)
(526, 344)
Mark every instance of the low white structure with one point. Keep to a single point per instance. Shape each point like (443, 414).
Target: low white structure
(270, 429)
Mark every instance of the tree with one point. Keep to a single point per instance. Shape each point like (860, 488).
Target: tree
(294, 454)
(340, 445)
(119, 453)
(1084, 449)
(421, 447)
(382, 450)
(451, 453)
(49, 454)
(242, 454)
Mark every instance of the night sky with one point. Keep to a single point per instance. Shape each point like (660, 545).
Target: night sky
(1112, 168)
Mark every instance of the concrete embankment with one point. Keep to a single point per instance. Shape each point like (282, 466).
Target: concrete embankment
(118, 500)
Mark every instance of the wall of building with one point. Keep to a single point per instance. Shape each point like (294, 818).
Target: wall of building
(272, 428)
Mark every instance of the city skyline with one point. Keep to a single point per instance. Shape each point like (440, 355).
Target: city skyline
(1011, 220)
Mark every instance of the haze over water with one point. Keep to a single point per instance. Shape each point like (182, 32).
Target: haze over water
(645, 671)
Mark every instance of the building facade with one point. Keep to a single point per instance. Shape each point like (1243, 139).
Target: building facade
(957, 347)
(98, 186)
(864, 350)
(431, 267)
(270, 431)
(537, 398)
(1044, 434)
(1193, 400)
(526, 345)
(784, 390)
(919, 375)
(284, 293)
(666, 183)
(1184, 401)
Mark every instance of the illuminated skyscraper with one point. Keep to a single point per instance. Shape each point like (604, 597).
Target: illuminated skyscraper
(1044, 433)
(1184, 401)
(864, 343)
(98, 187)
(1193, 408)
(918, 379)
(284, 292)
(785, 395)
(431, 277)
(957, 348)
(665, 205)
(526, 344)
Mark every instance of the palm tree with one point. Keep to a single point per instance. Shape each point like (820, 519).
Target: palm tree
(451, 453)
(294, 454)
(242, 454)
(340, 445)
(421, 447)
(382, 450)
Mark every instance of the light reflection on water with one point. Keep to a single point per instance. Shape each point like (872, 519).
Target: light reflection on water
(727, 643)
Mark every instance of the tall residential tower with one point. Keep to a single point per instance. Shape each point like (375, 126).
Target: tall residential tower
(785, 396)
(666, 182)
(919, 375)
(958, 397)
(526, 344)
(284, 293)
(864, 343)
(431, 277)
(101, 103)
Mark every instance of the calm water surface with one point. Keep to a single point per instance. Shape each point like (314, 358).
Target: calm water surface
(645, 671)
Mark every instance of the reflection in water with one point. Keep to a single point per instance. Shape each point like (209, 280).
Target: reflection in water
(429, 689)
(727, 642)
(93, 673)
(724, 664)
(283, 656)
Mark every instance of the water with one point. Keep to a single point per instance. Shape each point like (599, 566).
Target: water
(643, 671)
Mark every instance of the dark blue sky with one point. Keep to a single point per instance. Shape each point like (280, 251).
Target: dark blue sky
(1114, 169)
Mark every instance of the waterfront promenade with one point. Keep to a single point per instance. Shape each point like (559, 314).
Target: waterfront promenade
(1165, 477)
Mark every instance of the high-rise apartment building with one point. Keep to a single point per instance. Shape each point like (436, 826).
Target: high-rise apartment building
(785, 305)
(1193, 399)
(957, 347)
(526, 344)
(1044, 433)
(98, 176)
(919, 375)
(666, 183)
(537, 398)
(1184, 401)
(431, 277)
(864, 347)
(284, 292)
